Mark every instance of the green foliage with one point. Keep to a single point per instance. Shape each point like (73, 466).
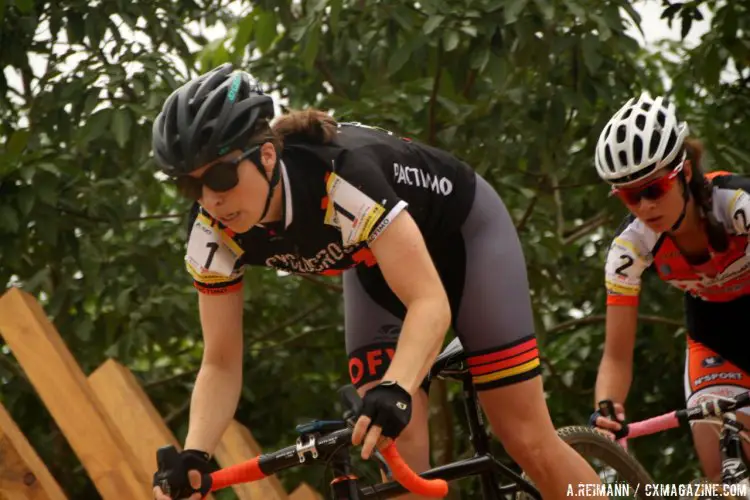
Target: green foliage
(519, 89)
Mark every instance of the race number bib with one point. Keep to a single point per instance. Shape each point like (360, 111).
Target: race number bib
(351, 210)
(210, 251)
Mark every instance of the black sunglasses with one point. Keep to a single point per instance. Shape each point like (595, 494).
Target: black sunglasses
(220, 177)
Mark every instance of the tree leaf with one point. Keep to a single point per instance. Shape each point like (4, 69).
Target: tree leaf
(432, 23)
(546, 8)
(575, 8)
(310, 51)
(96, 125)
(334, 15)
(400, 56)
(265, 30)
(25, 6)
(243, 33)
(591, 57)
(687, 22)
(17, 142)
(45, 185)
(450, 40)
(8, 220)
(121, 124)
(26, 202)
(512, 9)
(479, 58)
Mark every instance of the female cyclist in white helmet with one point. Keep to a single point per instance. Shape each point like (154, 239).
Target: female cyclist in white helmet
(692, 229)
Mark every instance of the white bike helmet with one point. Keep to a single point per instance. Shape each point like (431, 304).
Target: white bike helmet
(641, 137)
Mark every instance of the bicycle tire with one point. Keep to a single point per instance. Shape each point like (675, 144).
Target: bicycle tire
(590, 444)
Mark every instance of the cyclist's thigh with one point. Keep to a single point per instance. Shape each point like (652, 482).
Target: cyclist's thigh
(372, 329)
(494, 318)
(708, 376)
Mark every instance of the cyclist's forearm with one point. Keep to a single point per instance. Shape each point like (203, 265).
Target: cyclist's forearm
(213, 405)
(422, 334)
(614, 379)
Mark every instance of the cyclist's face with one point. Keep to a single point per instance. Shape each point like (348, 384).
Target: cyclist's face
(240, 207)
(657, 200)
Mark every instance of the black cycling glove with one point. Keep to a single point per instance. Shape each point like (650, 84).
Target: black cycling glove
(172, 477)
(389, 406)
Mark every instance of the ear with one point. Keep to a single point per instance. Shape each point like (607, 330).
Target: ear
(268, 157)
(687, 170)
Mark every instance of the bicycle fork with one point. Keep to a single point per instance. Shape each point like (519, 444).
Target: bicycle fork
(733, 466)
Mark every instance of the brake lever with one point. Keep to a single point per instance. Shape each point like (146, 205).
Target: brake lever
(352, 403)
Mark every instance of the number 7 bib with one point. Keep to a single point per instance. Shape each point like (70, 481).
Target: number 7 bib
(210, 251)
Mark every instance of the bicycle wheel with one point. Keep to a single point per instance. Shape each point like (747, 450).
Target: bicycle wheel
(615, 466)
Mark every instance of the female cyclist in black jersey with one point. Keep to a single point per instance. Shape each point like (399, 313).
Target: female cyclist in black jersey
(692, 229)
(422, 241)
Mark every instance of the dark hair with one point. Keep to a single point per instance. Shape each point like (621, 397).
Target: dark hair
(702, 190)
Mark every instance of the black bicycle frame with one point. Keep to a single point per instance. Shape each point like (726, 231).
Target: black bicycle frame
(345, 486)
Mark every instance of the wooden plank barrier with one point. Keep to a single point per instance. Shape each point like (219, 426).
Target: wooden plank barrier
(69, 398)
(305, 492)
(108, 419)
(133, 413)
(238, 444)
(23, 475)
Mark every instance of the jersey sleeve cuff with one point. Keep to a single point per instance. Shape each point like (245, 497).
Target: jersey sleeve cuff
(218, 288)
(385, 221)
(622, 300)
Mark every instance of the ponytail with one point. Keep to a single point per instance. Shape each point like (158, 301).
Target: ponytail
(309, 125)
(702, 190)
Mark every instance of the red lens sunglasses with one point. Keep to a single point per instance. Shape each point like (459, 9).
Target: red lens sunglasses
(650, 191)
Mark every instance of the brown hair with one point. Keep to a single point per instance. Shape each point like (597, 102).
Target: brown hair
(308, 125)
(702, 190)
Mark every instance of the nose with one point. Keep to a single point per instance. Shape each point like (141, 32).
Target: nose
(647, 204)
(211, 199)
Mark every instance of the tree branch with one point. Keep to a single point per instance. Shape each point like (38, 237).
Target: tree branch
(587, 227)
(599, 318)
(292, 338)
(577, 185)
(290, 321)
(134, 219)
(559, 214)
(432, 122)
(330, 286)
(527, 213)
(168, 380)
(556, 375)
(469, 83)
(326, 71)
(12, 367)
(178, 411)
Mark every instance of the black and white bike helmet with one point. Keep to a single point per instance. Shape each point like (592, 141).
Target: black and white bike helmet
(207, 117)
(643, 136)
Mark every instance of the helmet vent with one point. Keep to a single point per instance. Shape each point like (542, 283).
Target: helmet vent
(621, 134)
(637, 149)
(654, 145)
(671, 142)
(623, 158)
(640, 122)
(608, 156)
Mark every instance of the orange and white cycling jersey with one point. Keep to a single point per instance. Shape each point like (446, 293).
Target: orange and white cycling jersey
(724, 277)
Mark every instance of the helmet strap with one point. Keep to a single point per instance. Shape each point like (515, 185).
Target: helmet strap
(272, 182)
(685, 199)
